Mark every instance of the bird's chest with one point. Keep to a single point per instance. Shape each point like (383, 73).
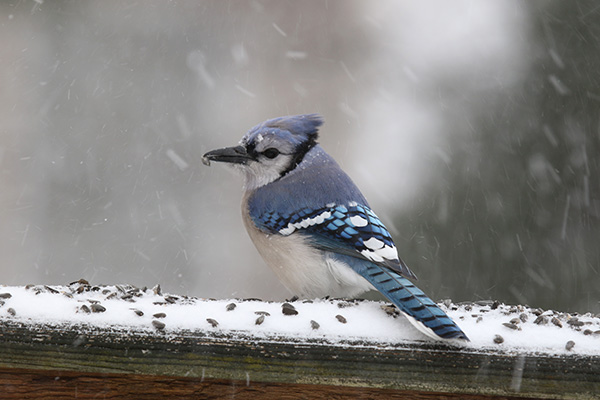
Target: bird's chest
(301, 269)
(304, 270)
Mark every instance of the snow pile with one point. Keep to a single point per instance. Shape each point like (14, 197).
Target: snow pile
(489, 325)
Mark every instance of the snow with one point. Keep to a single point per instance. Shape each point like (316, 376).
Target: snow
(491, 326)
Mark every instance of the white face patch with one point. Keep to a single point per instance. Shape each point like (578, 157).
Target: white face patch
(358, 221)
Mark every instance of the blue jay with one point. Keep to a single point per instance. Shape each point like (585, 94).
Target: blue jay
(315, 229)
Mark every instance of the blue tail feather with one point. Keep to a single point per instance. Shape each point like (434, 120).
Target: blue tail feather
(407, 297)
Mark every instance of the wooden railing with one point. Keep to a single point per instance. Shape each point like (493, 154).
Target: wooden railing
(79, 361)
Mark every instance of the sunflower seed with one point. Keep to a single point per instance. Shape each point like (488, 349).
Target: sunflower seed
(575, 322)
(262, 313)
(288, 309)
(158, 325)
(570, 344)
(157, 291)
(213, 322)
(510, 326)
(523, 317)
(98, 308)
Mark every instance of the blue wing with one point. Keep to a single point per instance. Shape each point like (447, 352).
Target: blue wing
(356, 236)
(351, 229)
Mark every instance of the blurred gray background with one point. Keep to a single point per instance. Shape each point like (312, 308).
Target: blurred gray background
(472, 128)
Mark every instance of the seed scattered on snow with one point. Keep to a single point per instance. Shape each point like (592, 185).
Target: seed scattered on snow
(587, 332)
(262, 313)
(5, 295)
(510, 325)
(85, 309)
(478, 320)
(160, 315)
(259, 320)
(288, 309)
(556, 322)
(213, 322)
(390, 310)
(498, 339)
(314, 324)
(11, 311)
(158, 325)
(48, 288)
(98, 308)
(570, 344)
(230, 306)
(515, 321)
(541, 320)
(157, 291)
(575, 322)
(341, 318)
(80, 281)
(523, 317)
(111, 296)
(139, 313)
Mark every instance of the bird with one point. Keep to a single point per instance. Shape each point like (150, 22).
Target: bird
(313, 226)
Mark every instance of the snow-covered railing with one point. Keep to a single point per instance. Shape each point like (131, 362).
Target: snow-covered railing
(88, 340)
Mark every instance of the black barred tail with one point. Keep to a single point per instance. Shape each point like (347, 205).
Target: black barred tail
(412, 301)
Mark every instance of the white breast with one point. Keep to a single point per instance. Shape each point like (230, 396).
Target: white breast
(305, 271)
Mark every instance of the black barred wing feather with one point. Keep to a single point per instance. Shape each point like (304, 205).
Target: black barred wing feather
(351, 229)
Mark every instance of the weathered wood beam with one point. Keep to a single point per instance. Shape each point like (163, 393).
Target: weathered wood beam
(196, 359)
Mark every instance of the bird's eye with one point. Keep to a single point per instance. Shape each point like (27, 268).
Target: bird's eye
(271, 153)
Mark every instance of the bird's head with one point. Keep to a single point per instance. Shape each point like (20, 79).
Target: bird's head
(271, 149)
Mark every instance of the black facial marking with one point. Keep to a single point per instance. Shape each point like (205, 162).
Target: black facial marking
(299, 155)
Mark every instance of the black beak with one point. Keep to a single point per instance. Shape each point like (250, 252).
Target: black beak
(233, 155)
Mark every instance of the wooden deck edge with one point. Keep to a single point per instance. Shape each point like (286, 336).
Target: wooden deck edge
(55, 384)
(206, 361)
